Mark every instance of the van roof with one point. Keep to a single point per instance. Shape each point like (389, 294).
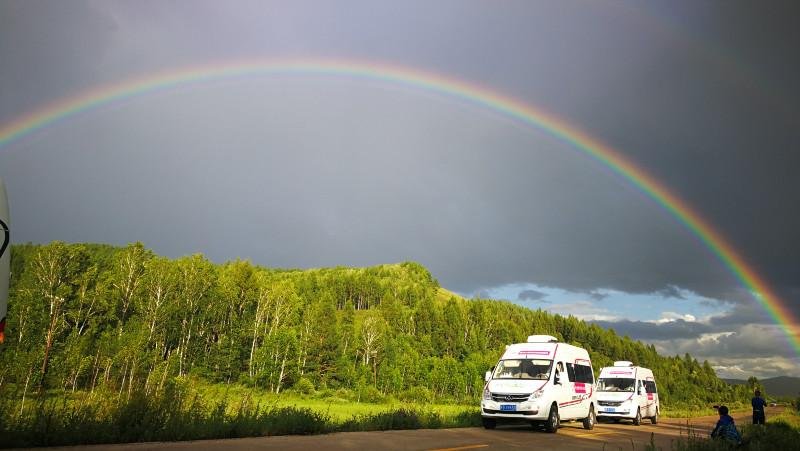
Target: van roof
(542, 339)
(543, 351)
(625, 371)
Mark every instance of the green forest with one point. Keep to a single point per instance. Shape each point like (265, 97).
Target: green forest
(87, 317)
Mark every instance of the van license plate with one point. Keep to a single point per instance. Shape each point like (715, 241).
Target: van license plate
(608, 409)
(508, 407)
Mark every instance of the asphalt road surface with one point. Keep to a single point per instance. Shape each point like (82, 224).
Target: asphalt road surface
(571, 436)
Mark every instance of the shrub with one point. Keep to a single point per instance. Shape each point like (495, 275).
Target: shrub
(371, 394)
(416, 394)
(304, 386)
(345, 393)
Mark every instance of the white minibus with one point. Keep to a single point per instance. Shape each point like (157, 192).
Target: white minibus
(542, 382)
(627, 391)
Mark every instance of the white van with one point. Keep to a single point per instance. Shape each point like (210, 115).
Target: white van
(541, 382)
(627, 391)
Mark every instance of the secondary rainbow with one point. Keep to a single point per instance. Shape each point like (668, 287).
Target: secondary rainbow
(461, 90)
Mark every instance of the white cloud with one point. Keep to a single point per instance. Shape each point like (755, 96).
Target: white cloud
(585, 310)
(668, 317)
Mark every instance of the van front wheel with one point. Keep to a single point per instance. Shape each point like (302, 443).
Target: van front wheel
(588, 422)
(552, 420)
(638, 420)
(489, 423)
(654, 418)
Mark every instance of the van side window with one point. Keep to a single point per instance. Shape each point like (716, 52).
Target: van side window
(650, 387)
(583, 373)
(570, 372)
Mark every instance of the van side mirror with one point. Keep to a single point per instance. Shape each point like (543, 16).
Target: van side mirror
(557, 379)
(487, 376)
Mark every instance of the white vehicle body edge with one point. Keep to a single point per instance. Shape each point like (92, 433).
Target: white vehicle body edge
(511, 394)
(5, 258)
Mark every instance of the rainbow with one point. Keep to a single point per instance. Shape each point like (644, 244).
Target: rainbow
(477, 95)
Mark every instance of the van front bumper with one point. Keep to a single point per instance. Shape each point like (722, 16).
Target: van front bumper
(523, 410)
(623, 411)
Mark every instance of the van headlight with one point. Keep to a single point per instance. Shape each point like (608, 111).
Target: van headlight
(535, 395)
(487, 395)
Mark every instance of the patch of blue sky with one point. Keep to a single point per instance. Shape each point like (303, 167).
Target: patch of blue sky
(610, 305)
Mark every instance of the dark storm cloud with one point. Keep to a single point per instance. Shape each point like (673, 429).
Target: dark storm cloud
(311, 172)
(648, 331)
(733, 164)
(750, 341)
(49, 49)
(531, 295)
(741, 315)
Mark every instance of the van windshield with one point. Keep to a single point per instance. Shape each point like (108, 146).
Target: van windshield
(616, 384)
(538, 369)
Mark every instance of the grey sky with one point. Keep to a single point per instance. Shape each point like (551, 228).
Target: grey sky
(310, 171)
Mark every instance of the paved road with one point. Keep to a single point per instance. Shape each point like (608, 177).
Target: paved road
(571, 436)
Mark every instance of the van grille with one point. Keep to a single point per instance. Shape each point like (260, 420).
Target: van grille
(610, 403)
(510, 397)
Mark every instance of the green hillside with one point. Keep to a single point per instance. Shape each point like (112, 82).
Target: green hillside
(89, 317)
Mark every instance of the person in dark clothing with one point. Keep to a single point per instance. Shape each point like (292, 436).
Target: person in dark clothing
(725, 428)
(758, 408)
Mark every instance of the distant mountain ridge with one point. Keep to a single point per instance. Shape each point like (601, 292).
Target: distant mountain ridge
(775, 386)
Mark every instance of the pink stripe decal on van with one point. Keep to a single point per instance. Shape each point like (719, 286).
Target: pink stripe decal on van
(527, 352)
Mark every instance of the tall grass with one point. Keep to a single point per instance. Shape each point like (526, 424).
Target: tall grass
(167, 417)
(176, 414)
(405, 418)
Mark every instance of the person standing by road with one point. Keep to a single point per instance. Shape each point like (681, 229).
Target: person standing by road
(758, 408)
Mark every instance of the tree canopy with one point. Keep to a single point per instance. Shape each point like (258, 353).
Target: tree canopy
(85, 315)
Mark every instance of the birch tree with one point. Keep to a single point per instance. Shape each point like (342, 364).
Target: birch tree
(196, 279)
(129, 270)
(56, 268)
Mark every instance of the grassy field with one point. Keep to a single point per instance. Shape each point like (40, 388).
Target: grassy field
(330, 404)
(190, 410)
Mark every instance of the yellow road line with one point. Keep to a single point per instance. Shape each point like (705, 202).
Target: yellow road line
(592, 434)
(460, 447)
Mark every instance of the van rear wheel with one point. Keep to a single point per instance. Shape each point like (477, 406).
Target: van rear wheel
(551, 425)
(489, 423)
(588, 422)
